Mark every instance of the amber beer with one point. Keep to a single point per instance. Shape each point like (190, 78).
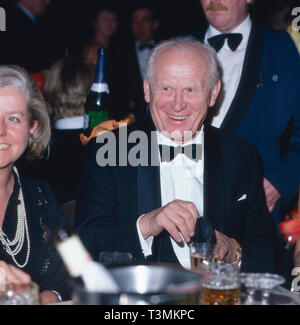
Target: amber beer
(220, 296)
(221, 285)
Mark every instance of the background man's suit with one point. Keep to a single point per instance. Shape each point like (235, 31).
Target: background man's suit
(24, 43)
(112, 198)
(266, 108)
(135, 81)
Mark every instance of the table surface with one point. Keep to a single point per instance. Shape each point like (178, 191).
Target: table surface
(279, 296)
(282, 296)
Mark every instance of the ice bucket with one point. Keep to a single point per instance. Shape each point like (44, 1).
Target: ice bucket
(147, 285)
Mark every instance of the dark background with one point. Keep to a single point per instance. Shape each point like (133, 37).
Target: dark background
(67, 21)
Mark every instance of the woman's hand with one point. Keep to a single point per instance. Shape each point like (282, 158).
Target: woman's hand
(17, 277)
(13, 275)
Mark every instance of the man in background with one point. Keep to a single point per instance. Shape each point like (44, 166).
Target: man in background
(25, 44)
(144, 23)
(261, 95)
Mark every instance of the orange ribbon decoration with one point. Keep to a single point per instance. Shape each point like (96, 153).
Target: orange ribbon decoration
(105, 127)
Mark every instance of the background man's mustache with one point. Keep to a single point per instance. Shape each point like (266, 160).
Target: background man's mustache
(216, 6)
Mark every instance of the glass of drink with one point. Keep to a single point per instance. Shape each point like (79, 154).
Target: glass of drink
(262, 283)
(20, 295)
(266, 283)
(221, 286)
(249, 281)
(203, 255)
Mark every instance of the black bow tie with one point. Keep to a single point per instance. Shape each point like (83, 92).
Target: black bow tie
(192, 151)
(146, 46)
(234, 40)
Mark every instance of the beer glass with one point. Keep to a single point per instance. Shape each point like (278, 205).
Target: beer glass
(221, 286)
(203, 255)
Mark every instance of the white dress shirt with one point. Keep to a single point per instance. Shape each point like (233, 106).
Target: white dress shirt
(232, 65)
(180, 179)
(142, 57)
(70, 123)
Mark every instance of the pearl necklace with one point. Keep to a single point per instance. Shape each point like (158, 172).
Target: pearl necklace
(21, 232)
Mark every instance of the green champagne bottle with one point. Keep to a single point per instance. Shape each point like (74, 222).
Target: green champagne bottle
(97, 101)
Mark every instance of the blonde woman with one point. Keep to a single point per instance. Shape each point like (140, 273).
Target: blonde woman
(66, 88)
(29, 214)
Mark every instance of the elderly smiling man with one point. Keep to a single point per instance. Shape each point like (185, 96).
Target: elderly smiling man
(151, 209)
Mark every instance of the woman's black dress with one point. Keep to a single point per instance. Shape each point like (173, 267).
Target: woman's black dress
(43, 217)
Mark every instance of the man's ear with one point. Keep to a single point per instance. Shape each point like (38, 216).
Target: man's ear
(147, 91)
(215, 93)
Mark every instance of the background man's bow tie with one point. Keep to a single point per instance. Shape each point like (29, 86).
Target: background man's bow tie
(192, 151)
(234, 40)
(146, 46)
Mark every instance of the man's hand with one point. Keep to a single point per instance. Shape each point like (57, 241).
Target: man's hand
(227, 247)
(272, 195)
(48, 297)
(176, 217)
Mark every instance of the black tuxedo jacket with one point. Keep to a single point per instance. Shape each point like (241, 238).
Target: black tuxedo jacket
(23, 43)
(112, 198)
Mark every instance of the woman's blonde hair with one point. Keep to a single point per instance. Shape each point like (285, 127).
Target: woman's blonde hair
(67, 85)
(15, 76)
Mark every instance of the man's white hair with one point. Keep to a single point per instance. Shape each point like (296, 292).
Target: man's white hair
(185, 42)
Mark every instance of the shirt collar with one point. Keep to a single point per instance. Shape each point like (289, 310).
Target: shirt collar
(69, 123)
(244, 28)
(137, 43)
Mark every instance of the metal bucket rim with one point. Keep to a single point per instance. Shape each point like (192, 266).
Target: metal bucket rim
(182, 288)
